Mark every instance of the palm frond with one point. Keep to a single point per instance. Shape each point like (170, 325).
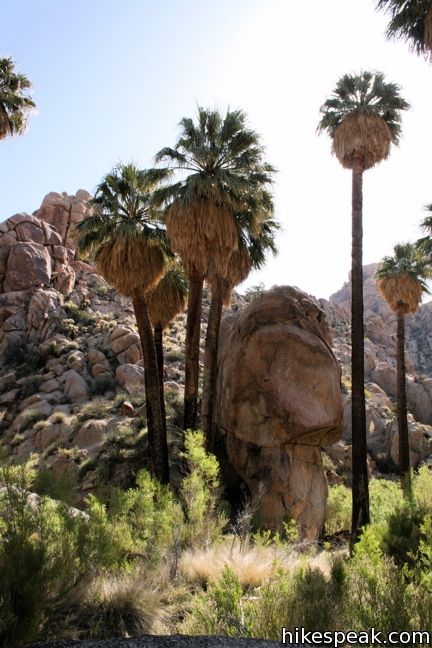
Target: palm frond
(15, 102)
(411, 21)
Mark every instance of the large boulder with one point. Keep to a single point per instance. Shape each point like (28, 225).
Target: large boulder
(130, 377)
(64, 211)
(28, 266)
(278, 403)
(125, 344)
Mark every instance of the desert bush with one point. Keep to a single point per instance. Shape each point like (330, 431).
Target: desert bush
(102, 384)
(174, 407)
(30, 417)
(338, 509)
(377, 589)
(79, 315)
(289, 597)
(41, 557)
(135, 398)
(137, 524)
(98, 408)
(122, 606)
(58, 417)
(385, 495)
(200, 492)
(218, 611)
(40, 425)
(68, 327)
(59, 488)
(175, 355)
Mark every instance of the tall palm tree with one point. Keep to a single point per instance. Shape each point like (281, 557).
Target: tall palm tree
(256, 231)
(129, 245)
(410, 20)
(401, 279)
(363, 119)
(165, 301)
(221, 167)
(15, 103)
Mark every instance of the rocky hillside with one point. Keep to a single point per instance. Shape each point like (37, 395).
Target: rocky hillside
(71, 371)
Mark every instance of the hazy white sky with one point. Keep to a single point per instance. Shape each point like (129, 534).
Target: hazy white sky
(113, 79)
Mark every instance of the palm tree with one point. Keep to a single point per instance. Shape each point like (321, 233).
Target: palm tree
(410, 20)
(256, 232)
(362, 118)
(424, 244)
(221, 167)
(15, 103)
(401, 279)
(164, 303)
(129, 245)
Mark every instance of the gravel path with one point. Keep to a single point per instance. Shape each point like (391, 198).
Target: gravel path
(172, 641)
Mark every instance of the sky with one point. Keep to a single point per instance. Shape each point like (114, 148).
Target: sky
(112, 80)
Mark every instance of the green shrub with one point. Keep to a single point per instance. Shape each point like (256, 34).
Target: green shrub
(58, 417)
(79, 315)
(338, 509)
(98, 408)
(377, 590)
(136, 398)
(174, 407)
(174, 356)
(200, 491)
(59, 488)
(139, 522)
(290, 598)
(41, 558)
(218, 611)
(30, 417)
(422, 488)
(102, 384)
(40, 425)
(385, 496)
(68, 327)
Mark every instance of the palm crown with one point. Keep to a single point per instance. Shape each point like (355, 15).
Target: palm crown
(223, 173)
(168, 298)
(363, 118)
(124, 232)
(410, 20)
(222, 158)
(15, 103)
(402, 277)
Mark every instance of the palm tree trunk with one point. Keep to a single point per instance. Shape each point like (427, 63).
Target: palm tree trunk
(158, 339)
(158, 447)
(360, 490)
(210, 363)
(193, 330)
(404, 456)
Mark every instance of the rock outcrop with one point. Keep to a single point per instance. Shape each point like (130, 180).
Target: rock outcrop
(278, 402)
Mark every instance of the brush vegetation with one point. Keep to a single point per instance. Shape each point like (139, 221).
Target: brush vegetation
(151, 560)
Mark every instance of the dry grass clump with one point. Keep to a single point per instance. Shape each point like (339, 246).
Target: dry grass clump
(118, 606)
(252, 565)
